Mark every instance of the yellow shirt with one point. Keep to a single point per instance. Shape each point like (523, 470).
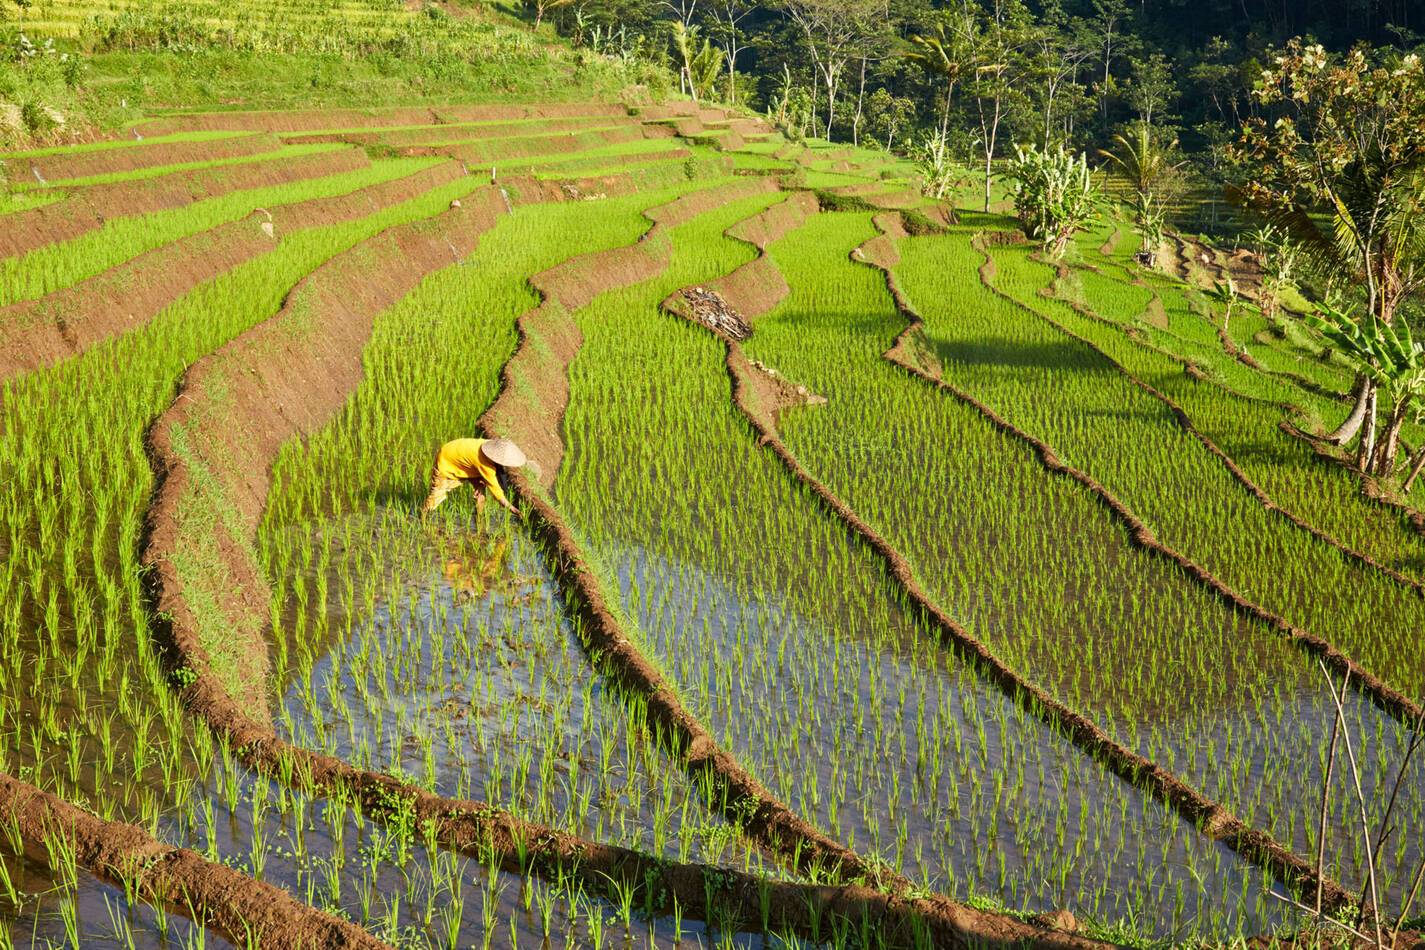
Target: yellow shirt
(461, 458)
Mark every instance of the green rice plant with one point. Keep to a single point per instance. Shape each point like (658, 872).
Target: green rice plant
(1013, 361)
(54, 266)
(145, 174)
(743, 626)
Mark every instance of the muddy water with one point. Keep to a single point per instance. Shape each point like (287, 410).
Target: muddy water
(469, 677)
(786, 639)
(909, 756)
(101, 917)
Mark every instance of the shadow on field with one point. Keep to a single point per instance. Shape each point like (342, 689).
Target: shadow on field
(997, 351)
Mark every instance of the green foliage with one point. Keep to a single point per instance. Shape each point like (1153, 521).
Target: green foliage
(942, 175)
(1054, 195)
(1348, 139)
(1150, 224)
(1278, 255)
(37, 88)
(700, 63)
(1141, 159)
(1388, 354)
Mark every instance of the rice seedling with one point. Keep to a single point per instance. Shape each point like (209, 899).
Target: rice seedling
(1098, 661)
(742, 625)
(445, 653)
(48, 268)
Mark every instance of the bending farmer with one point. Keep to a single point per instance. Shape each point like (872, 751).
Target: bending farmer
(478, 462)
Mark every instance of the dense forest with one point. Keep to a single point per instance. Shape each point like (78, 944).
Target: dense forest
(1042, 71)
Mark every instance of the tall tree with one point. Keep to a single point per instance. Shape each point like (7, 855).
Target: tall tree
(945, 53)
(1056, 54)
(834, 31)
(727, 17)
(1110, 22)
(1341, 167)
(998, 36)
(1151, 87)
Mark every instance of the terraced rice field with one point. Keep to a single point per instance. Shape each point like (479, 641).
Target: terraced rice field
(879, 583)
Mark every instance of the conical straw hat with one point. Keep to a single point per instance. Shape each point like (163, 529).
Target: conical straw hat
(503, 452)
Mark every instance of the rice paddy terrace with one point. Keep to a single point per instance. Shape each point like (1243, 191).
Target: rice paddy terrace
(880, 583)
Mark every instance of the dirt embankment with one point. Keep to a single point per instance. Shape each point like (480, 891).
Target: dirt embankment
(1184, 421)
(180, 880)
(729, 305)
(309, 120)
(37, 333)
(572, 168)
(128, 158)
(282, 378)
(88, 208)
(505, 149)
(660, 170)
(237, 406)
(535, 384)
(451, 132)
(1209, 816)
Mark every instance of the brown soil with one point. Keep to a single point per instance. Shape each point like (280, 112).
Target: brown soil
(762, 229)
(447, 133)
(754, 288)
(658, 172)
(686, 126)
(88, 208)
(211, 894)
(710, 309)
(126, 158)
(898, 200)
(729, 141)
(750, 127)
(1108, 247)
(667, 110)
(1156, 314)
(572, 167)
(498, 150)
(859, 190)
(36, 333)
(310, 120)
(882, 251)
(1209, 816)
(551, 110)
(288, 375)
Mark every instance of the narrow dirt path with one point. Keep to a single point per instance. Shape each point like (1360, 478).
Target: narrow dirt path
(308, 120)
(127, 158)
(38, 333)
(1211, 817)
(210, 894)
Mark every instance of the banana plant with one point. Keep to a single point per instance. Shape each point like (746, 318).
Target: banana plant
(1389, 356)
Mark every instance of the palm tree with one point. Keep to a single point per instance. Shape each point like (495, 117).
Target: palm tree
(941, 54)
(1142, 161)
(1146, 166)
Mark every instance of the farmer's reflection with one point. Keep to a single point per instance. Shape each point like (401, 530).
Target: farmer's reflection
(474, 567)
